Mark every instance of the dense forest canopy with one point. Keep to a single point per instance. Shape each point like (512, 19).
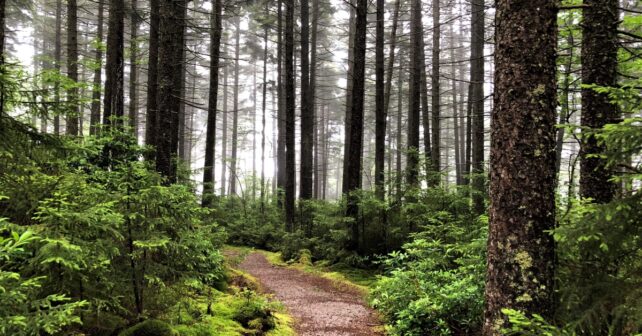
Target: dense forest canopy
(470, 167)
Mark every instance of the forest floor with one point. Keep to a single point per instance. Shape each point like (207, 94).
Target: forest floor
(319, 305)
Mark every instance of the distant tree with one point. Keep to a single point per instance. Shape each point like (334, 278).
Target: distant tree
(436, 87)
(133, 68)
(210, 136)
(72, 67)
(521, 252)
(94, 119)
(599, 67)
(290, 175)
(235, 109)
(477, 102)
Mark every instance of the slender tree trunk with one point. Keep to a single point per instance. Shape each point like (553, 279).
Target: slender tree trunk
(425, 113)
(224, 135)
(414, 101)
(280, 151)
(152, 121)
(355, 148)
(290, 176)
(94, 120)
(264, 109)
(72, 67)
(380, 114)
(210, 137)
(399, 174)
(521, 252)
(313, 89)
(307, 114)
(133, 70)
(599, 67)
(564, 108)
(235, 120)
(114, 99)
(436, 88)
(347, 129)
(477, 104)
(58, 60)
(453, 70)
(324, 141)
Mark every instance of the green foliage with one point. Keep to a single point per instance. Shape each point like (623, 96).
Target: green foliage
(522, 325)
(254, 312)
(435, 284)
(150, 328)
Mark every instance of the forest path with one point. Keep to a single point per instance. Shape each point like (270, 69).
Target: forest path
(319, 306)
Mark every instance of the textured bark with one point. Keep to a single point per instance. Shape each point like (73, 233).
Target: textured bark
(151, 121)
(350, 73)
(290, 176)
(210, 136)
(72, 67)
(170, 56)
(425, 110)
(436, 94)
(224, 135)
(380, 112)
(599, 67)
(235, 111)
(313, 91)
(133, 69)
(414, 96)
(280, 150)
(114, 95)
(399, 139)
(94, 120)
(307, 113)
(391, 56)
(57, 65)
(264, 109)
(455, 106)
(355, 148)
(477, 103)
(522, 180)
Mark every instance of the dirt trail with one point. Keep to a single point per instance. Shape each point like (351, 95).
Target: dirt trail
(318, 306)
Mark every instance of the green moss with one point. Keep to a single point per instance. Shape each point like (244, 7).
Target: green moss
(524, 260)
(150, 328)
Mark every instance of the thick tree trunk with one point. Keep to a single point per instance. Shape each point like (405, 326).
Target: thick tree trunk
(414, 96)
(599, 67)
(133, 70)
(313, 91)
(72, 67)
(355, 148)
(380, 109)
(94, 119)
(235, 116)
(170, 56)
(151, 120)
(114, 95)
(521, 254)
(290, 176)
(210, 136)
(477, 104)
(350, 75)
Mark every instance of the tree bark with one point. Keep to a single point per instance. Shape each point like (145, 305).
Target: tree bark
(347, 137)
(307, 114)
(313, 90)
(58, 60)
(599, 67)
(224, 135)
(436, 88)
(114, 94)
(235, 115)
(72, 68)
(94, 120)
(152, 121)
(280, 151)
(133, 70)
(210, 137)
(290, 176)
(380, 111)
(355, 147)
(477, 104)
(520, 272)
(414, 96)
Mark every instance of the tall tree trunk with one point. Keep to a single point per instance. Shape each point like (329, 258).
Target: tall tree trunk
(264, 109)
(94, 120)
(425, 114)
(353, 159)
(414, 95)
(564, 108)
(280, 150)
(380, 109)
(520, 272)
(170, 56)
(313, 91)
(599, 67)
(235, 116)
(436, 88)
(350, 76)
(72, 67)
(399, 144)
(224, 135)
(133, 70)
(477, 103)
(453, 70)
(290, 176)
(57, 65)
(307, 114)
(114, 99)
(210, 137)
(151, 120)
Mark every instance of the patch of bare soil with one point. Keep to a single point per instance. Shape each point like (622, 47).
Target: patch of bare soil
(318, 307)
